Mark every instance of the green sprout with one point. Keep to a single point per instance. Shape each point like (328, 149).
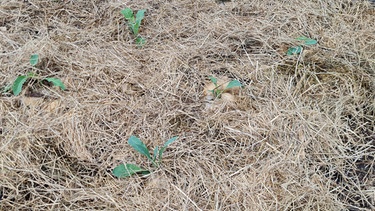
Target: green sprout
(218, 90)
(126, 170)
(17, 85)
(298, 49)
(134, 23)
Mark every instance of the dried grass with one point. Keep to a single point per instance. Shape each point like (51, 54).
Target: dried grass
(299, 137)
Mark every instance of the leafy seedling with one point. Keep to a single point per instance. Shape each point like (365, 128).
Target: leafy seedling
(298, 49)
(126, 170)
(134, 23)
(218, 90)
(20, 80)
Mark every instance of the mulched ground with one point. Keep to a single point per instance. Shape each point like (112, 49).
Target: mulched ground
(298, 136)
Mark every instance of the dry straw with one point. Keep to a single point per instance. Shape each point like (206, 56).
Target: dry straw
(299, 136)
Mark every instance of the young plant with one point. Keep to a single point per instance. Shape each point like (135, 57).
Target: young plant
(126, 170)
(219, 89)
(20, 80)
(298, 49)
(134, 23)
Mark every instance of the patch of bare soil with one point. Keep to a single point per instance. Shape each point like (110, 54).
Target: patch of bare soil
(298, 136)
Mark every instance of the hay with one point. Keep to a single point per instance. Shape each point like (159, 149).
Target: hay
(300, 135)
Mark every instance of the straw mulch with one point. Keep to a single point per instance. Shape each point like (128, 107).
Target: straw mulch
(298, 136)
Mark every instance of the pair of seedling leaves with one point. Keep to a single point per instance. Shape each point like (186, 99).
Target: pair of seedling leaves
(298, 49)
(218, 90)
(20, 80)
(134, 23)
(126, 170)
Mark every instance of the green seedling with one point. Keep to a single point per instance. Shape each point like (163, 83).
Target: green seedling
(126, 170)
(134, 23)
(298, 49)
(20, 80)
(218, 90)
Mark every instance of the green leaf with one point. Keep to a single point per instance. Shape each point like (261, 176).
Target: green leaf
(156, 152)
(131, 27)
(311, 42)
(302, 38)
(294, 50)
(139, 16)
(128, 14)
(307, 41)
(170, 141)
(213, 80)
(218, 93)
(18, 83)
(56, 82)
(140, 41)
(34, 59)
(234, 83)
(144, 173)
(138, 145)
(126, 170)
(135, 29)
